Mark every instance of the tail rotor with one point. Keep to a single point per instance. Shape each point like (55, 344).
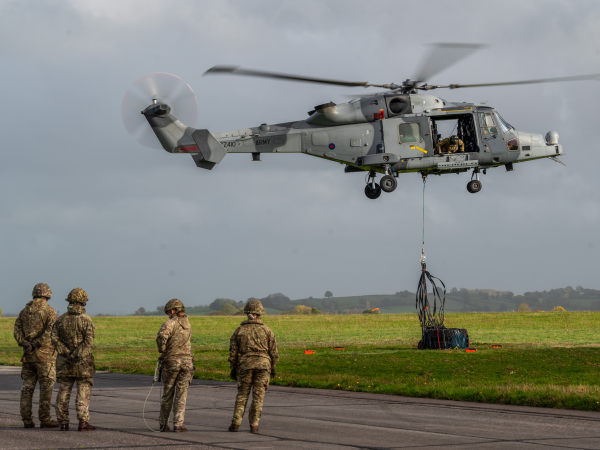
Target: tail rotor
(162, 88)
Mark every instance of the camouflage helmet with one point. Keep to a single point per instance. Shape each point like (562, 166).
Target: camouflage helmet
(454, 139)
(77, 295)
(175, 304)
(254, 306)
(41, 290)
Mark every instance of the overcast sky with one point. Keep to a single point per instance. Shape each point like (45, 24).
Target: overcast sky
(84, 205)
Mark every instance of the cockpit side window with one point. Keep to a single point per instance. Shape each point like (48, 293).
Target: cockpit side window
(503, 123)
(487, 122)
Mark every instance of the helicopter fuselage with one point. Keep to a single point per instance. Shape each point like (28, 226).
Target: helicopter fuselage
(391, 134)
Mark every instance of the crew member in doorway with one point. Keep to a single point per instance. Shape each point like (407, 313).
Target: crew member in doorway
(451, 144)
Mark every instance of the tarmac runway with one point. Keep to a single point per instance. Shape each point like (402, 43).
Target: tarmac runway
(295, 418)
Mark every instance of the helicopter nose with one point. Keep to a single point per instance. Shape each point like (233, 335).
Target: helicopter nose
(551, 138)
(552, 145)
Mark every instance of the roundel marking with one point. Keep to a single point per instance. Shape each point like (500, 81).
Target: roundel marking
(331, 146)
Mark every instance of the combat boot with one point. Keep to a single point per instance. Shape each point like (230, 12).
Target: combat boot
(254, 430)
(51, 424)
(64, 427)
(234, 427)
(30, 424)
(179, 428)
(84, 426)
(164, 427)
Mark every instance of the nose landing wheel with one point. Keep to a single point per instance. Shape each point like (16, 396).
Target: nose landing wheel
(474, 186)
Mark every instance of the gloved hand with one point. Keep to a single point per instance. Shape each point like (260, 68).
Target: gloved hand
(27, 348)
(73, 357)
(233, 374)
(273, 372)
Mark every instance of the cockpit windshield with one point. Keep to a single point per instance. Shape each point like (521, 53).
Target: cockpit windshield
(503, 123)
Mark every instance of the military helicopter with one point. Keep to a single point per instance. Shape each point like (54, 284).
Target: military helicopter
(388, 133)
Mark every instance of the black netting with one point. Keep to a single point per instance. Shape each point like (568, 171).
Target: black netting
(444, 338)
(430, 317)
(434, 334)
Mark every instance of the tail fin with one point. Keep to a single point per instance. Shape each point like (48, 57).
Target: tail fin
(175, 137)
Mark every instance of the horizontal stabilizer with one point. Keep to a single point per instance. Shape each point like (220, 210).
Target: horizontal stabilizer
(202, 163)
(212, 151)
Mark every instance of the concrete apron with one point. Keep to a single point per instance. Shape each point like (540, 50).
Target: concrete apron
(295, 418)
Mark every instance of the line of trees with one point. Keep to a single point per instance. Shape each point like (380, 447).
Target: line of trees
(537, 300)
(472, 300)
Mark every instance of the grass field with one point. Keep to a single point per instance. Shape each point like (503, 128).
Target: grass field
(548, 359)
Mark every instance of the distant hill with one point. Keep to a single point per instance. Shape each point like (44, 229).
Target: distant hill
(457, 300)
(461, 300)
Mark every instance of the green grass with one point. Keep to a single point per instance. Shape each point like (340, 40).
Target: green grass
(548, 359)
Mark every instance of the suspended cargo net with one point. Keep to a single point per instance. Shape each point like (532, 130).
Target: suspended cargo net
(430, 316)
(434, 335)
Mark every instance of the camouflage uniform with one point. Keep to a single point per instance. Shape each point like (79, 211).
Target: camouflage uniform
(451, 144)
(252, 356)
(33, 327)
(174, 342)
(73, 336)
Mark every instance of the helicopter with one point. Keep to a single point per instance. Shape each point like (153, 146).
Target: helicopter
(390, 132)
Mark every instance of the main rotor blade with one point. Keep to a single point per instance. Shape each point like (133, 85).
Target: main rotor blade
(442, 56)
(595, 76)
(232, 70)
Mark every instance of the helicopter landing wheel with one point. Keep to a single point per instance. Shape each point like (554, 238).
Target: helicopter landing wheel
(372, 193)
(388, 183)
(474, 186)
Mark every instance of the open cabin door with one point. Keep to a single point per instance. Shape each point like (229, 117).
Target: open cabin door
(408, 137)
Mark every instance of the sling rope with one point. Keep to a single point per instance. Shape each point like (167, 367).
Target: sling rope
(424, 181)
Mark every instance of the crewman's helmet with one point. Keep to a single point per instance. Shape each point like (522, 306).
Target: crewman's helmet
(77, 295)
(454, 139)
(254, 306)
(41, 290)
(175, 304)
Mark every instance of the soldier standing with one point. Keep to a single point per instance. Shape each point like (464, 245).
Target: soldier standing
(72, 337)
(32, 332)
(174, 342)
(252, 356)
